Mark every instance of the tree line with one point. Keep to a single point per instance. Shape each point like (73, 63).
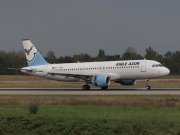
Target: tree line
(16, 59)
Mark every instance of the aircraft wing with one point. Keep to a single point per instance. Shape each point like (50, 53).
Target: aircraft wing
(83, 76)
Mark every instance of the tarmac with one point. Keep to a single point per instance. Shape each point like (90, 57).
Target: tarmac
(77, 91)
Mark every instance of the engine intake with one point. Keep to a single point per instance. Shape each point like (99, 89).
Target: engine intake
(100, 81)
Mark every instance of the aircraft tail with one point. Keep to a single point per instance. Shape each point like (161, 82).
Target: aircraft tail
(34, 58)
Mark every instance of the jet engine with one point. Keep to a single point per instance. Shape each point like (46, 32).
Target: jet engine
(126, 82)
(100, 81)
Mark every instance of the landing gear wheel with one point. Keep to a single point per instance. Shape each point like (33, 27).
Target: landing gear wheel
(104, 88)
(148, 87)
(86, 87)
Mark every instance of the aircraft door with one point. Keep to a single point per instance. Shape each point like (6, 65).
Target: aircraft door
(45, 71)
(143, 66)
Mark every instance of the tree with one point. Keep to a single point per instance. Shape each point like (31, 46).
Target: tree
(101, 55)
(66, 59)
(112, 57)
(131, 54)
(151, 54)
(168, 59)
(50, 57)
(176, 62)
(81, 58)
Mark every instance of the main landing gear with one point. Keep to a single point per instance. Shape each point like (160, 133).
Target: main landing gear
(104, 88)
(86, 87)
(147, 86)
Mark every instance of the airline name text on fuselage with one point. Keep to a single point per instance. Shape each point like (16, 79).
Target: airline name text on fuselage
(127, 63)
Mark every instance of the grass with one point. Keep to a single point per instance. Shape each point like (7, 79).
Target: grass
(25, 81)
(90, 114)
(119, 100)
(54, 119)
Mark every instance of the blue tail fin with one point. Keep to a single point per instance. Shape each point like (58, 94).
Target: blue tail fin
(34, 58)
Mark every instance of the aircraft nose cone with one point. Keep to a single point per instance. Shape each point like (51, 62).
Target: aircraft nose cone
(166, 71)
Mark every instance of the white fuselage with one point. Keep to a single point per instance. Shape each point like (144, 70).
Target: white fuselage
(117, 70)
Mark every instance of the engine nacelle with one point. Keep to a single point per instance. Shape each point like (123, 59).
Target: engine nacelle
(100, 81)
(126, 82)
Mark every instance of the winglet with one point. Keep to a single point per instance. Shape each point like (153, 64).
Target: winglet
(34, 58)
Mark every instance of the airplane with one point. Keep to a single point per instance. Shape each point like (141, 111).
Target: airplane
(99, 74)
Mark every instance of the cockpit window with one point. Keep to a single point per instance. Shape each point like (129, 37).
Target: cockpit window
(157, 65)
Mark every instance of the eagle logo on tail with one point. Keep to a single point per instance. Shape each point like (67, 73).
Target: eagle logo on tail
(28, 51)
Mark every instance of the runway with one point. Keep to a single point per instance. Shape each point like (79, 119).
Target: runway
(70, 91)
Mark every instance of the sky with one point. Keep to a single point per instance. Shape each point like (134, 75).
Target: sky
(69, 27)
